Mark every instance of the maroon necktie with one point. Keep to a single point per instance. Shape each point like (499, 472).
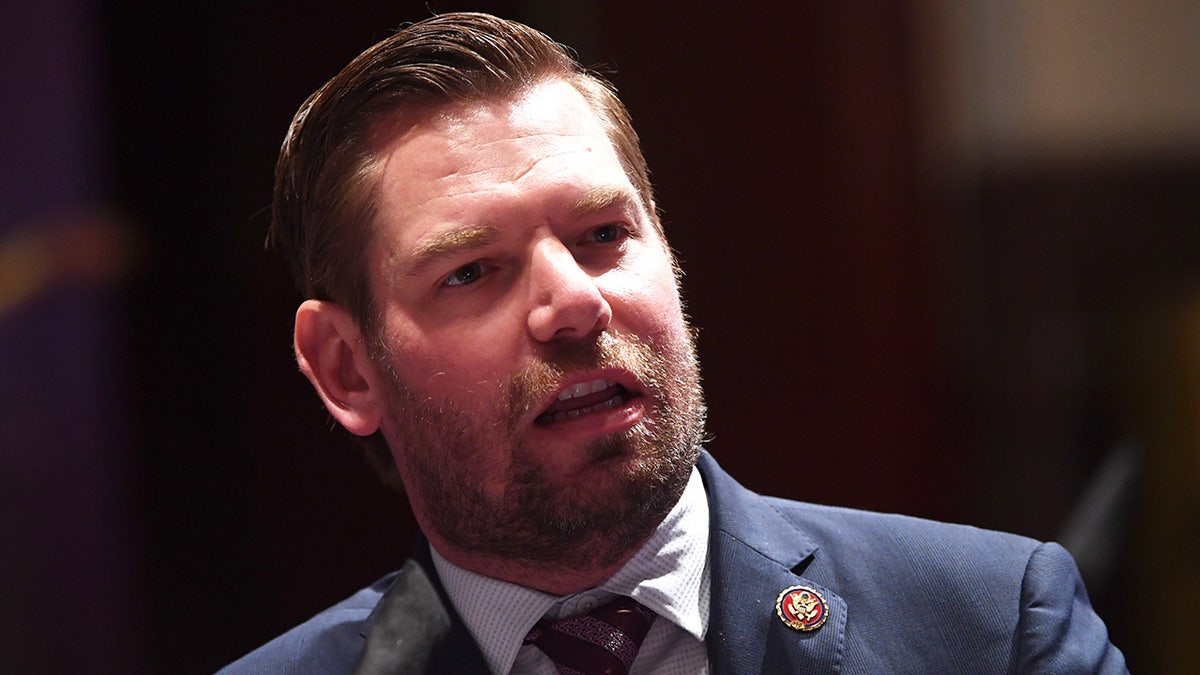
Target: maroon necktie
(602, 642)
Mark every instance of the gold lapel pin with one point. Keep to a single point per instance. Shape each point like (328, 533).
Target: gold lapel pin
(801, 608)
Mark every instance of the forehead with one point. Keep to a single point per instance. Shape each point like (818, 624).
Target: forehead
(496, 141)
(460, 156)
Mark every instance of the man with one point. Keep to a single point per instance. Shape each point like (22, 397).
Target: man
(494, 306)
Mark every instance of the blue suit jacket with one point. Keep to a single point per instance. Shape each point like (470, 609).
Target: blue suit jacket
(904, 595)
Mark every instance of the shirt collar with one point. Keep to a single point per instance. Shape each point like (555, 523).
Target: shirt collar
(669, 574)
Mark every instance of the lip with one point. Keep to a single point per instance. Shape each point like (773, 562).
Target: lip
(616, 412)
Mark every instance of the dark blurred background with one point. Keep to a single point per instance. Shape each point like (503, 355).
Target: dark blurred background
(945, 257)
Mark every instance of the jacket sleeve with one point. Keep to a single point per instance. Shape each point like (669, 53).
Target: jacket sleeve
(1058, 631)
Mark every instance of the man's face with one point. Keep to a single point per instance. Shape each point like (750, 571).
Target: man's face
(543, 396)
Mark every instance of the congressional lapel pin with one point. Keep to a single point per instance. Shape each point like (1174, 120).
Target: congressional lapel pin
(801, 608)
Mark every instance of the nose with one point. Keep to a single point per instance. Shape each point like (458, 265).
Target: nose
(566, 301)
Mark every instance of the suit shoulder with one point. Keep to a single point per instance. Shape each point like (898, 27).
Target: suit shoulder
(943, 564)
(845, 530)
(328, 642)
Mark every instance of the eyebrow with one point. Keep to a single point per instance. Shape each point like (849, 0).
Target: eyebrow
(445, 244)
(600, 198)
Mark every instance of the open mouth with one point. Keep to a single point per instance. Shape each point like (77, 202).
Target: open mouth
(585, 398)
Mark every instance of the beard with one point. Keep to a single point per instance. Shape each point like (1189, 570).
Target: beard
(487, 494)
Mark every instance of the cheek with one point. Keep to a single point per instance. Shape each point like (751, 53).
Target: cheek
(450, 363)
(647, 288)
(654, 316)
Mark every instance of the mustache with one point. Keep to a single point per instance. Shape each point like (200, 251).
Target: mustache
(531, 387)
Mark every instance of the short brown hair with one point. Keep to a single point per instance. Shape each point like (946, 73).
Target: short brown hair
(326, 179)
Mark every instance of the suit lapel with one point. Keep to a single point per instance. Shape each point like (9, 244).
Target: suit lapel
(414, 628)
(756, 554)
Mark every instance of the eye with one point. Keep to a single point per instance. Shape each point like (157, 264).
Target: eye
(467, 274)
(608, 234)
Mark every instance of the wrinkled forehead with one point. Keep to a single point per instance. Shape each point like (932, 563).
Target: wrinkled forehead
(418, 153)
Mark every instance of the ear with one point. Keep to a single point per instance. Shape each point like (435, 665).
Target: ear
(331, 352)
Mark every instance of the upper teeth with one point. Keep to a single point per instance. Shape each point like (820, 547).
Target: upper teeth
(585, 388)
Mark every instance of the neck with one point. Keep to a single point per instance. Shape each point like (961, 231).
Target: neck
(552, 578)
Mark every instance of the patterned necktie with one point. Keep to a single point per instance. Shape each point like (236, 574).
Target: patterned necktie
(602, 642)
